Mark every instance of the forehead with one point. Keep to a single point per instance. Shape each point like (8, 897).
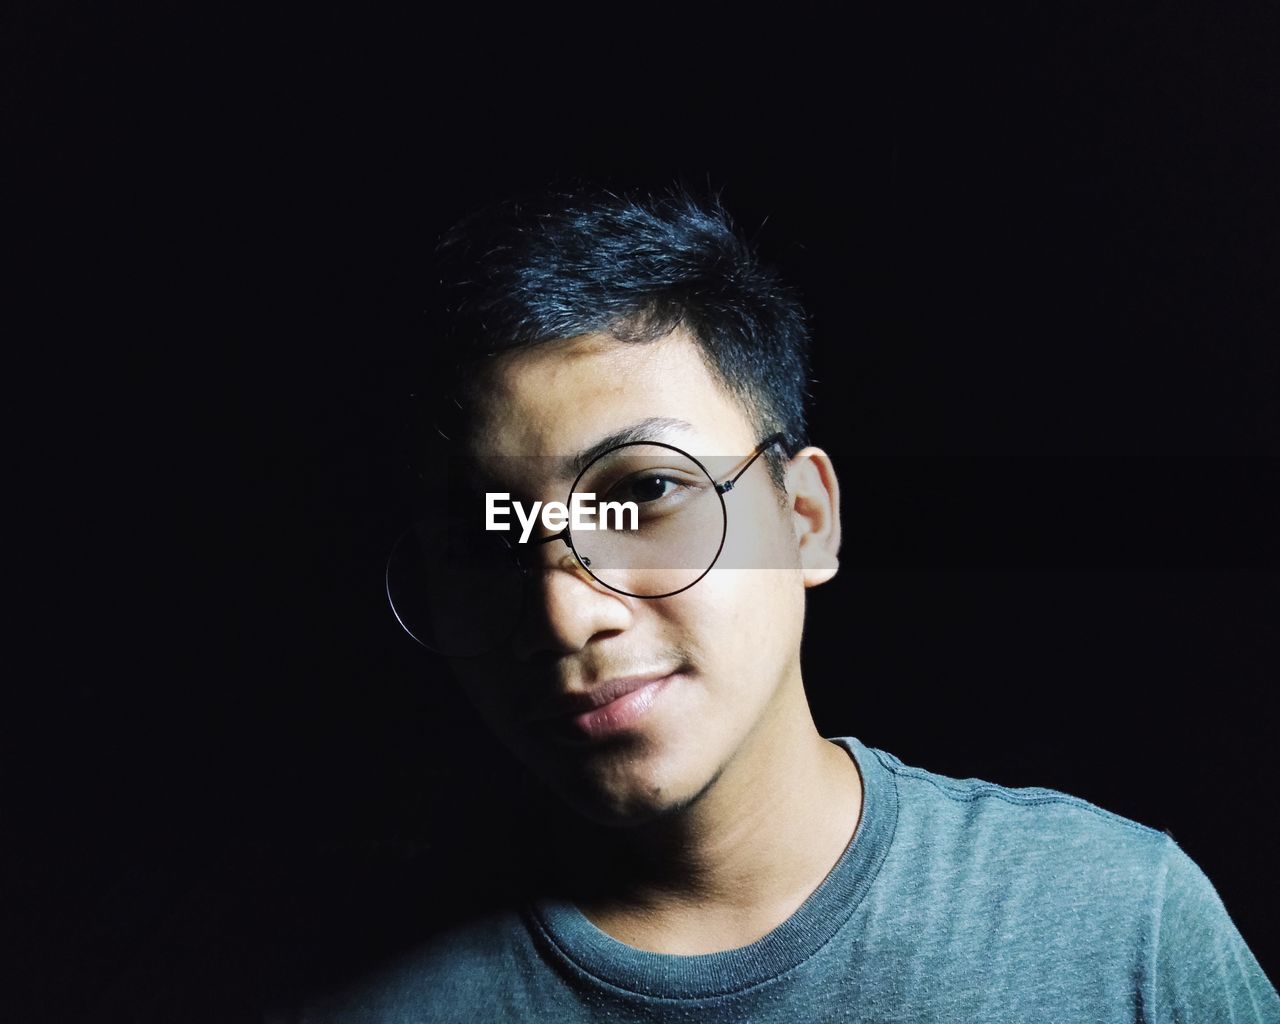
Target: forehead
(562, 397)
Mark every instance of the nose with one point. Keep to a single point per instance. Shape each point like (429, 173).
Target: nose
(566, 608)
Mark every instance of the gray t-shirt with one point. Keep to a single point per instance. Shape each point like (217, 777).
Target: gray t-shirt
(957, 901)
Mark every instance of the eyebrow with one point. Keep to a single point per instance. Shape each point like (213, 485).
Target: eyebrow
(651, 429)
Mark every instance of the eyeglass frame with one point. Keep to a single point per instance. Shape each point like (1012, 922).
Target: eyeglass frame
(721, 489)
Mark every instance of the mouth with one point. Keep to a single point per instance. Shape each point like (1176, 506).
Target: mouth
(612, 708)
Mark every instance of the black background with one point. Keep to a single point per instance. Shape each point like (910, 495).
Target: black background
(1040, 251)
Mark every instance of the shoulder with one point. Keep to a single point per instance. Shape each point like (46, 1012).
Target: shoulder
(1200, 966)
(1050, 889)
(975, 801)
(1033, 843)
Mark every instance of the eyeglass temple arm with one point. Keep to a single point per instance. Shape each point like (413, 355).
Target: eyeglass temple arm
(763, 447)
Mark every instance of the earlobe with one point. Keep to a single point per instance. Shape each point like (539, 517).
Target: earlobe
(815, 513)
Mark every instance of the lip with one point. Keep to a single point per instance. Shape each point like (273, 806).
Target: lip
(609, 709)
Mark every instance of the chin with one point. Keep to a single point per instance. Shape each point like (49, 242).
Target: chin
(634, 802)
(631, 814)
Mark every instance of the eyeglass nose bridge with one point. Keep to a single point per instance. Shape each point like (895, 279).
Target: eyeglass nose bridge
(563, 535)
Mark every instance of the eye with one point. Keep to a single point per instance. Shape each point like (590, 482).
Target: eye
(645, 487)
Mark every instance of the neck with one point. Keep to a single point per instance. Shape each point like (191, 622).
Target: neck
(740, 858)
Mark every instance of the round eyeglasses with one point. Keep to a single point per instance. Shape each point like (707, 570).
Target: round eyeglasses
(654, 523)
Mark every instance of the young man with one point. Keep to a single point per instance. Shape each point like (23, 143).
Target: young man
(719, 859)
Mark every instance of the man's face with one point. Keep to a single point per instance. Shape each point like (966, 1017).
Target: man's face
(705, 667)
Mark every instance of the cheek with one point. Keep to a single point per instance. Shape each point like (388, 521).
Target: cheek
(752, 602)
(760, 535)
(744, 625)
(744, 632)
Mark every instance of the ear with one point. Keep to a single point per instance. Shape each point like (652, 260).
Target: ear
(814, 495)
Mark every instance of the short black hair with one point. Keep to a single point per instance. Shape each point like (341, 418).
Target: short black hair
(634, 266)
